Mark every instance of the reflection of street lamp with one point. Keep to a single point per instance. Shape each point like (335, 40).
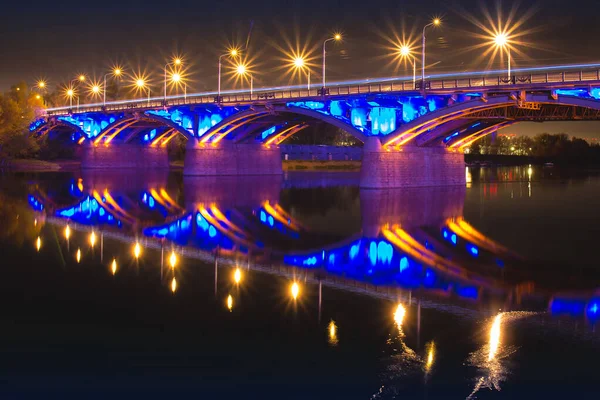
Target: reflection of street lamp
(336, 37)
(502, 42)
(177, 62)
(115, 73)
(80, 79)
(406, 52)
(300, 64)
(435, 22)
(231, 53)
(242, 71)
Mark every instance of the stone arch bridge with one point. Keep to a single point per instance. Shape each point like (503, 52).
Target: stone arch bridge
(413, 136)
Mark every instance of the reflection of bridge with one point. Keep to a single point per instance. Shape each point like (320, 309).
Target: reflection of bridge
(411, 239)
(410, 139)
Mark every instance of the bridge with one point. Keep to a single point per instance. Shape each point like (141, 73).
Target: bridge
(413, 134)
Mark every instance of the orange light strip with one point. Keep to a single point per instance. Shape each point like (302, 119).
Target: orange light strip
(112, 209)
(167, 140)
(274, 137)
(169, 200)
(81, 140)
(106, 131)
(465, 230)
(206, 138)
(223, 230)
(219, 215)
(464, 142)
(273, 212)
(222, 135)
(111, 201)
(119, 130)
(162, 135)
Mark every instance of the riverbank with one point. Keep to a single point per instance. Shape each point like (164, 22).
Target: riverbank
(40, 165)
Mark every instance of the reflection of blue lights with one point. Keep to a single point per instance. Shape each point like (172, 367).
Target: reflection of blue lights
(447, 138)
(354, 250)
(212, 232)
(89, 212)
(35, 204)
(403, 264)
(271, 220)
(263, 216)
(574, 307)
(453, 238)
(473, 250)
(467, 291)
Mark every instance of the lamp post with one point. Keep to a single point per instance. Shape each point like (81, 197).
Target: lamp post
(80, 79)
(116, 73)
(231, 53)
(176, 62)
(406, 52)
(335, 37)
(502, 42)
(435, 22)
(300, 64)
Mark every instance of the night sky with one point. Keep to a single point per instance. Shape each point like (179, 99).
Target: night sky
(58, 40)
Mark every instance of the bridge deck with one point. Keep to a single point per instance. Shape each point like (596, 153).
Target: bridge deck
(538, 79)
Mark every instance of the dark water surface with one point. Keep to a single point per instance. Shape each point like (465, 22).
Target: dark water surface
(489, 291)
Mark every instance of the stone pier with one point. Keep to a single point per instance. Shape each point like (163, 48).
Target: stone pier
(228, 158)
(123, 156)
(411, 166)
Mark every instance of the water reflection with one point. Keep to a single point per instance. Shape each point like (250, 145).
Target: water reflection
(410, 247)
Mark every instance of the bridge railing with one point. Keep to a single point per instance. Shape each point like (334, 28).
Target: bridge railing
(520, 81)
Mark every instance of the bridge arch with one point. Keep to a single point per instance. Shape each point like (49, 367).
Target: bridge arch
(283, 120)
(129, 127)
(58, 127)
(458, 121)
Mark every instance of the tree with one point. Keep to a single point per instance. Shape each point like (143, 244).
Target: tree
(17, 110)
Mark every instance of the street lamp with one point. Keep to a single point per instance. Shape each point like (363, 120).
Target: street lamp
(435, 22)
(116, 72)
(242, 71)
(337, 37)
(300, 64)
(80, 79)
(406, 52)
(231, 53)
(501, 41)
(177, 61)
(177, 79)
(70, 93)
(141, 84)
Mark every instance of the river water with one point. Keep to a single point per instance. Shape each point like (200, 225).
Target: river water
(302, 286)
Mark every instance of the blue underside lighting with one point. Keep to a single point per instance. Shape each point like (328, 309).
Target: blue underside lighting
(447, 139)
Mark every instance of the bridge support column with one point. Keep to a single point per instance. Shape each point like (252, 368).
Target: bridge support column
(228, 158)
(123, 155)
(411, 166)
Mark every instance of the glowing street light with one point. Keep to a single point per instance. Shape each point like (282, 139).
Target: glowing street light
(332, 328)
(92, 239)
(113, 266)
(501, 41)
(231, 53)
(230, 303)
(70, 92)
(337, 37)
(116, 72)
(399, 315)
(176, 61)
(140, 82)
(173, 285)
(435, 22)
(41, 84)
(173, 260)
(295, 290)
(237, 276)
(67, 232)
(242, 70)
(78, 255)
(300, 64)
(137, 250)
(38, 243)
(406, 52)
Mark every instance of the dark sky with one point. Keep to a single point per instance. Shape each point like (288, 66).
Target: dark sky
(58, 40)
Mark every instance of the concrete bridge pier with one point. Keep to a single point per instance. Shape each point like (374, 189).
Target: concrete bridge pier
(411, 166)
(123, 156)
(227, 158)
